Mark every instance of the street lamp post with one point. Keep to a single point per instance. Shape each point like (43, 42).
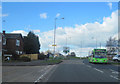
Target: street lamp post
(55, 34)
(96, 43)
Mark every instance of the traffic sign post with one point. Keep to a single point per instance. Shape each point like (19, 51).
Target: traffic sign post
(54, 45)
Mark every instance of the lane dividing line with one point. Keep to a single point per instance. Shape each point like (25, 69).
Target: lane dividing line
(98, 70)
(44, 74)
(114, 77)
(113, 71)
(88, 66)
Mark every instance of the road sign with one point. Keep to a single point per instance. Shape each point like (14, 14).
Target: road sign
(54, 45)
(66, 49)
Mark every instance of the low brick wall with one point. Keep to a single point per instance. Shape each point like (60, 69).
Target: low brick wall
(31, 56)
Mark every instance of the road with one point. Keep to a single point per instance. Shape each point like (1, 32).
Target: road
(82, 71)
(67, 71)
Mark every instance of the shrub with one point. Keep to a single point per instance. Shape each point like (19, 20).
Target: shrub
(25, 59)
(15, 56)
(41, 56)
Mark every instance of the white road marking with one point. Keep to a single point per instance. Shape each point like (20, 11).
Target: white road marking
(115, 72)
(114, 77)
(44, 73)
(99, 70)
(88, 66)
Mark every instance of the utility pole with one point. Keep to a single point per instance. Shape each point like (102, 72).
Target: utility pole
(55, 35)
(66, 41)
(100, 45)
(96, 43)
(81, 48)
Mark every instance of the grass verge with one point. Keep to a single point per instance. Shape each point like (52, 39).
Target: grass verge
(116, 63)
(53, 61)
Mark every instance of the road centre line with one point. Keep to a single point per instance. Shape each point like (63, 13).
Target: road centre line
(99, 70)
(113, 71)
(44, 74)
(88, 66)
(114, 77)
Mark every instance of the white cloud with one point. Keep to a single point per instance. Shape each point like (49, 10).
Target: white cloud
(84, 32)
(0, 6)
(36, 31)
(43, 15)
(3, 15)
(81, 32)
(110, 5)
(20, 31)
(58, 14)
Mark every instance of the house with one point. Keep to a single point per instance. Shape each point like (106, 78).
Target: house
(12, 44)
(0, 46)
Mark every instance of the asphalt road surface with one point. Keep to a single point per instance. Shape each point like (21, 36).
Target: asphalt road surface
(24, 73)
(83, 71)
(67, 71)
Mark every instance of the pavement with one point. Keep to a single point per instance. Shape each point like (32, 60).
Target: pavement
(25, 73)
(74, 70)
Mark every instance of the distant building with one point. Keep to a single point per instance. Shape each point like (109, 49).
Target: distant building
(12, 44)
(113, 46)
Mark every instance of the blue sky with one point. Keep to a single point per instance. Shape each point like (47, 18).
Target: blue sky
(83, 21)
(21, 15)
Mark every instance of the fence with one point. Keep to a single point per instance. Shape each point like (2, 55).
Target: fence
(31, 56)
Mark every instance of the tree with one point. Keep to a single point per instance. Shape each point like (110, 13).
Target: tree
(31, 43)
(73, 54)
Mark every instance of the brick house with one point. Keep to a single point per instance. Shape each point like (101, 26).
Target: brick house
(12, 44)
(0, 45)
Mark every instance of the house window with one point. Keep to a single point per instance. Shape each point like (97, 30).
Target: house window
(17, 52)
(20, 52)
(4, 41)
(17, 42)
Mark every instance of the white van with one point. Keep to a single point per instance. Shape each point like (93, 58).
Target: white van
(116, 58)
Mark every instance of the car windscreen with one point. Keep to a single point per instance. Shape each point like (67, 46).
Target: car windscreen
(116, 55)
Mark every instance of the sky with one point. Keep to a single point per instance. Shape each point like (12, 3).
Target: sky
(84, 23)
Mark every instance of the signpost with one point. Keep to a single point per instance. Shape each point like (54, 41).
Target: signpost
(66, 49)
(54, 45)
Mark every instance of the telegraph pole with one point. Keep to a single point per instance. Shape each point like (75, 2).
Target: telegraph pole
(100, 45)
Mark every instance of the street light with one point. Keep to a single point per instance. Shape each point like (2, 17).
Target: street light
(55, 33)
(96, 41)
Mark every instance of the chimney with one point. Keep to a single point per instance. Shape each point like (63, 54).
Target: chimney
(4, 32)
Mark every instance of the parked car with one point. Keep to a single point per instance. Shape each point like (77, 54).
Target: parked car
(116, 58)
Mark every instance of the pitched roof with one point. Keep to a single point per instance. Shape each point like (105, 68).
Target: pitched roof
(13, 35)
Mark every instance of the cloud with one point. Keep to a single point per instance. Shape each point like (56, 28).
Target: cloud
(81, 32)
(43, 15)
(20, 31)
(36, 31)
(3, 15)
(0, 6)
(86, 33)
(58, 14)
(110, 5)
